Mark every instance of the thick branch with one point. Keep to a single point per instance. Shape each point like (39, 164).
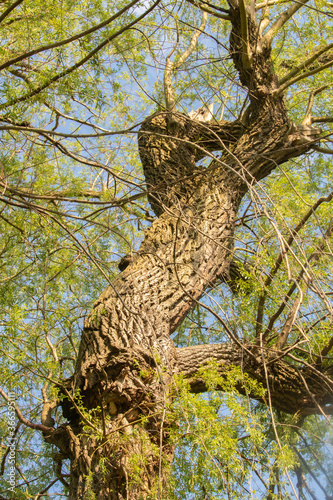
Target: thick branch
(287, 389)
(322, 119)
(326, 151)
(246, 56)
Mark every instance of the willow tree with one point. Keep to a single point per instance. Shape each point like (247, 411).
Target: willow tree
(204, 368)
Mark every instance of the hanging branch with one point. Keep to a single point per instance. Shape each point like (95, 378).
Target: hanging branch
(279, 260)
(314, 257)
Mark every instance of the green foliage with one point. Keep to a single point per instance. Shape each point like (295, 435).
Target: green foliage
(72, 206)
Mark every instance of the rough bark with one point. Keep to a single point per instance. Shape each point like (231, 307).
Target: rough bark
(126, 359)
(292, 388)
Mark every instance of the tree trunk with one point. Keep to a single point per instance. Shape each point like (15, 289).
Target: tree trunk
(118, 433)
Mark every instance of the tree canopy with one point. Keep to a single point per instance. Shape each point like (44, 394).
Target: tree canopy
(166, 249)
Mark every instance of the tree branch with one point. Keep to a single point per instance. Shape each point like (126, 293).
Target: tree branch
(10, 8)
(67, 135)
(279, 260)
(193, 42)
(171, 66)
(307, 120)
(246, 57)
(262, 5)
(326, 151)
(79, 63)
(267, 39)
(305, 64)
(283, 335)
(313, 257)
(25, 421)
(73, 38)
(288, 391)
(209, 10)
(328, 64)
(322, 119)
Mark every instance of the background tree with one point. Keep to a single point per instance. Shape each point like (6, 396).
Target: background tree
(205, 367)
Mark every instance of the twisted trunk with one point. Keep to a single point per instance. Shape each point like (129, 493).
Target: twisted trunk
(118, 438)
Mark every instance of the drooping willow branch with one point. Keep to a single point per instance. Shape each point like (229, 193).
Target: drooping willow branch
(79, 63)
(66, 41)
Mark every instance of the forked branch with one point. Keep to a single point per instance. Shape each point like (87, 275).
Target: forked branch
(25, 421)
(307, 120)
(267, 40)
(171, 66)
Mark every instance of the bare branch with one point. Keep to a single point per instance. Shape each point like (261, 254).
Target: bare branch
(54, 196)
(67, 135)
(326, 151)
(307, 117)
(322, 119)
(76, 120)
(262, 5)
(283, 336)
(267, 39)
(193, 42)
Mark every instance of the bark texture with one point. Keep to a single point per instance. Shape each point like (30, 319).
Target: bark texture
(118, 438)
